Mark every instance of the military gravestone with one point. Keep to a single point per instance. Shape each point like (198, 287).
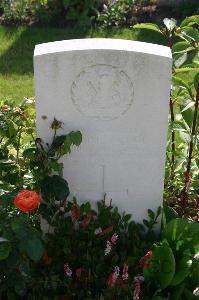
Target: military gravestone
(116, 92)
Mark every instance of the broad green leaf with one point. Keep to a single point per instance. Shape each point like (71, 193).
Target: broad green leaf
(54, 187)
(182, 84)
(162, 266)
(34, 248)
(151, 214)
(190, 34)
(170, 23)
(179, 60)
(191, 104)
(5, 248)
(19, 227)
(189, 21)
(168, 214)
(187, 69)
(181, 233)
(76, 137)
(28, 152)
(58, 141)
(148, 26)
(182, 270)
(177, 293)
(182, 47)
(187, 115)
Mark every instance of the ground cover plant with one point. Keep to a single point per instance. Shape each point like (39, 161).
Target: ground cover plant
(51, 247)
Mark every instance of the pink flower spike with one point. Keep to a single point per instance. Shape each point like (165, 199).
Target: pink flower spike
(68, 270)
(114, 238)
(137, 287)
(125, 274)
(113, 277)
(108, 248)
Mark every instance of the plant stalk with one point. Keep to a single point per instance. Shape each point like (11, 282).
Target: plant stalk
(172, 138)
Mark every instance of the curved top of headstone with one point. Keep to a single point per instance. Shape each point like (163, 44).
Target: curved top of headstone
(102, 44)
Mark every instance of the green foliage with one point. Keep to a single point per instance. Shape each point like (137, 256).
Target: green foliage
(63, 247)
(49, 11)
(172, 266)
(187, 8)
(115, 12)
(182, 179)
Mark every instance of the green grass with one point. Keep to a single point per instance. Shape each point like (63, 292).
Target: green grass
(17, 47)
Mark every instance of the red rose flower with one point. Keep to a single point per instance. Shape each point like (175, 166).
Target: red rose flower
(27, 200)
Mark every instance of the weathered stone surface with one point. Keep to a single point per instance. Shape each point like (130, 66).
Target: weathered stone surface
(116, 92)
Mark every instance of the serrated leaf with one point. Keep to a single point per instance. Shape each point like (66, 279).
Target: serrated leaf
(187, 69)
(182, 84)
(76, 137)
(189, 21)
(190, 34)
(182, 47)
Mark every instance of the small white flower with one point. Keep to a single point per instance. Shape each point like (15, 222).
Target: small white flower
(98, 231)
(139, 278)
(108, 248)
(68, 270)
(196, 256)
(196, 292)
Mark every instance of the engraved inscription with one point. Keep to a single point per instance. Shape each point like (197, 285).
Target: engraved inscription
(102, 91)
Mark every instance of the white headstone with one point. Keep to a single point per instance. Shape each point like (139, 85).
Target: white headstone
(116, 92)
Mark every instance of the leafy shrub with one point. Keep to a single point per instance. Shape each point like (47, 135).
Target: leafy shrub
(49, 11)
(19, 11)
(115, 12)
(188, 8)
(182, 176)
